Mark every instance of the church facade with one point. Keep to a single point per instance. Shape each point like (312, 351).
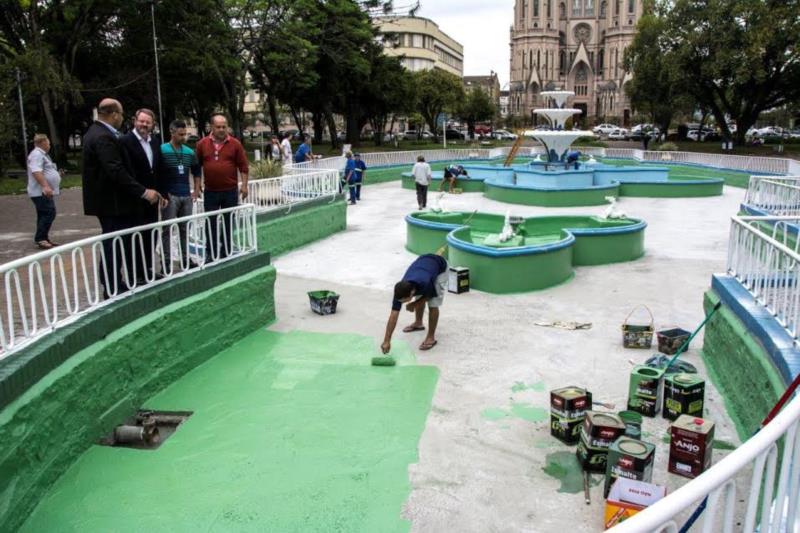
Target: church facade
(576, 45)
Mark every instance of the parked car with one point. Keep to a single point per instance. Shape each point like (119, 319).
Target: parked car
(454, 134)
(771, 131)
(637, 132)
(504, 135)
(413, 135)
(619, 134)
(795, 133)
(483, 130)
(604, 129)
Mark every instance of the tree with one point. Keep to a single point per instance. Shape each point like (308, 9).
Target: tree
(737, 58)
(437, 91)
(476, 107)
(657, 88)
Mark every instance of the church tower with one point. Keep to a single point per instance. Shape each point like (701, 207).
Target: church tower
(577, 45)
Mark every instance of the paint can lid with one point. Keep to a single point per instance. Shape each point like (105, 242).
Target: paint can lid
(698, 421)
(632, 447)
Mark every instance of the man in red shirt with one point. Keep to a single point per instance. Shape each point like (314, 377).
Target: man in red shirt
(223, 160)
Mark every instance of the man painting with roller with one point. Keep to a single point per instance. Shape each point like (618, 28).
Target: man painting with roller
(425, 282)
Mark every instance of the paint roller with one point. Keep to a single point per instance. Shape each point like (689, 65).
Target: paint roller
(385, 360)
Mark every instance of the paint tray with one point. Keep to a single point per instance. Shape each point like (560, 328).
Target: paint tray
(323, 302)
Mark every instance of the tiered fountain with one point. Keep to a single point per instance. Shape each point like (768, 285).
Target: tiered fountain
(558, 140)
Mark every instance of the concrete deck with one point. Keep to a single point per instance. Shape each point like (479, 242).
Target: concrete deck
(486, 442)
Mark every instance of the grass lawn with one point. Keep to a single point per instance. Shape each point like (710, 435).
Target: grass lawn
(19, 185)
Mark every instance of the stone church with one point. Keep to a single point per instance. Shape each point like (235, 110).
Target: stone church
(576, 45)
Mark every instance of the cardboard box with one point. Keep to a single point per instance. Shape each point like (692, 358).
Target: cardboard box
(627, 497)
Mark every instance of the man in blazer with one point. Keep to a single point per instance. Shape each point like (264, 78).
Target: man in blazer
(110, 191)
(143, 153)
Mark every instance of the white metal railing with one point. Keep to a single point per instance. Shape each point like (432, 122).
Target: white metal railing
(290, 189)
(47, 290)
(772, 165)
(777, 195)
(763, 256)
(409, 157)
(756, 459)
(327, 163)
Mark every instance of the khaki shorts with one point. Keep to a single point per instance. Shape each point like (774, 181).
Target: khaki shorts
(441, 289)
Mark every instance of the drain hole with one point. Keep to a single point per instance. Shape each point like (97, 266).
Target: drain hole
(146, 430)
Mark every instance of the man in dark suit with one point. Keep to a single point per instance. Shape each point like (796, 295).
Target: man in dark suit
(110, 191)
(143, 153)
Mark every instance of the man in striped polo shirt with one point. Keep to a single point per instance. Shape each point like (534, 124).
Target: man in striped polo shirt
(223, 160)
(178, 164)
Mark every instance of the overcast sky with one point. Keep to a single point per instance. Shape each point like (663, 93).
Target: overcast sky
(481, 26)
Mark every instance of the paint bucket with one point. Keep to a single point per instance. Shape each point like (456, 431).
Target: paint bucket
(637, 335)
(598, 432)
(323, 302)
(691, 442)
(630, 459)
(669, 340)
(568, 408)
(645, 390)
(633, 423)
(684, 394)
(458, 280)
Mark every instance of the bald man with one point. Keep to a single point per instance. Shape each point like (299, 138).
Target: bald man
(110, 191)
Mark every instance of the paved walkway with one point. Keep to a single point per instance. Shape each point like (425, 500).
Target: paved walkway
(18, 223)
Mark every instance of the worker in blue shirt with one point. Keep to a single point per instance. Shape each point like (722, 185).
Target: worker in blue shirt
(349, 177)
(303, 153)
(361, 174)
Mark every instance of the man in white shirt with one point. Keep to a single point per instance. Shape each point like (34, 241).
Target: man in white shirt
(44, 179)
(422, 179)
(286, 152)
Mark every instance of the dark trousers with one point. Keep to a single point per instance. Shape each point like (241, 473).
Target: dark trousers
(115, 254)
(355, 191)
(143, 250)
(422, 195)
(212, 201)
(45, 215)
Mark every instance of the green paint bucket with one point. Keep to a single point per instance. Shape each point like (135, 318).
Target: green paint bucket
(633, 423)
(645, 390)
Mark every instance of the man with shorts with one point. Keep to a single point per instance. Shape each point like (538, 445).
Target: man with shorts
(451, 173)
(425, 281)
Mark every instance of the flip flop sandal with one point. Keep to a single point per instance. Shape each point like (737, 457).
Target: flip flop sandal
(428, 346)
(409, 329)
(44, 245)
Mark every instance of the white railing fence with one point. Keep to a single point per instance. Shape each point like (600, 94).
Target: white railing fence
(763, 256)
(50, 289)
(777, 195)
(287, 190)
(755, 460)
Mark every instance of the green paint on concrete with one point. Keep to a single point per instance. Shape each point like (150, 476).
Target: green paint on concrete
(723, 445)
(538, 386)
(294, 229)
(740, 368)
(290, 432)
(529, 412)
(495, 413)
(564, 466)
(52, 423)
(518, 386)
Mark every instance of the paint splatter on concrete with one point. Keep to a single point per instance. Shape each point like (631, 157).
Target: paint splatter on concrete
(529, 412)
(493, 413)
(564, 466)
(520, 386)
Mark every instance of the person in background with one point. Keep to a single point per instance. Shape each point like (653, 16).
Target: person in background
(223, 160)
(274, 149)
(286, 152)
(451, 173)
(361, 174)
(425, 282)
(348, 179)
(110, 191)
(142, 152)
(178, 165)
(422, 179)
(304, 153)
(44, 179)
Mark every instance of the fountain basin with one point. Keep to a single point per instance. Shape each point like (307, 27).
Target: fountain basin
(544, 255)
